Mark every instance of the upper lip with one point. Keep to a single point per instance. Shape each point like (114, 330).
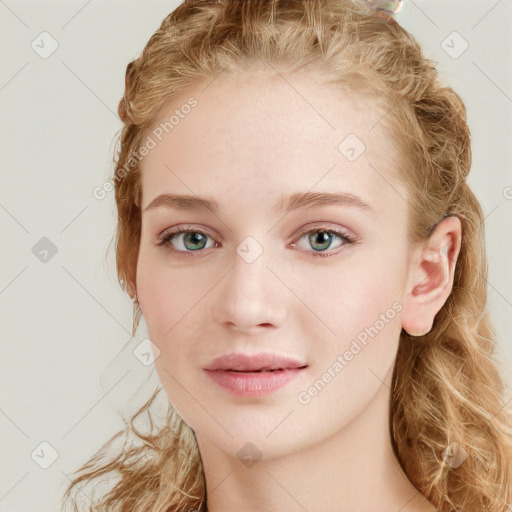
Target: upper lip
(254, 362)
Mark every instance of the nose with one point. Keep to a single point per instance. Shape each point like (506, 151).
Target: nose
(250, 297)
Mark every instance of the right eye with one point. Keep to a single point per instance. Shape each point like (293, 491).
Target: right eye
(184, 240)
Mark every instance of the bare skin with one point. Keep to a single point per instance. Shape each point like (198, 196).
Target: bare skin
(250, 139)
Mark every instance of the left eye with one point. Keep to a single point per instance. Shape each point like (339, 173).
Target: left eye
(322, 238)
(192, 240)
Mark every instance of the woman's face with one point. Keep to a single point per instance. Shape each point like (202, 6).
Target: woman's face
(252, 280)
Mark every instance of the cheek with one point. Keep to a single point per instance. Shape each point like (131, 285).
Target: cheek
(167, 298)
(359, 306)
(362, 306)
(166, 294)
(172, 300)
(355, 292)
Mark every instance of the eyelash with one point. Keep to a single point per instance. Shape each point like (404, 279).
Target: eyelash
(170, 234)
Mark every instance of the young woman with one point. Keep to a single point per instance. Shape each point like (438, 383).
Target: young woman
(296, 229)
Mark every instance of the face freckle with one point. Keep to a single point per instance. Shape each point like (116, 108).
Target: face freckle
(250, 281)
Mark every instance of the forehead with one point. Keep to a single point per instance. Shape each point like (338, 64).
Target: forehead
(263, 130)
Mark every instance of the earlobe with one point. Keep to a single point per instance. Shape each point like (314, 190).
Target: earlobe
(431, 276)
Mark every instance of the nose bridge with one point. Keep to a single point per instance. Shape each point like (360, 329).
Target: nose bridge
(250, 294)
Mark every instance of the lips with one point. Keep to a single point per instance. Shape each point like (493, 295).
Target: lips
(262, 362)
(257, 375)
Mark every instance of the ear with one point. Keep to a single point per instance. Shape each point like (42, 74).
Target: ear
(431, 274)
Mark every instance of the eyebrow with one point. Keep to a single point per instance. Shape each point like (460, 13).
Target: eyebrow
(284, 205)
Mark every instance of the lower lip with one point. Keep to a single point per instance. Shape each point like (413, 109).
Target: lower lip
(252, 383)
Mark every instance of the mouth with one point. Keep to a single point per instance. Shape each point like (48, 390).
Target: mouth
(254, 375)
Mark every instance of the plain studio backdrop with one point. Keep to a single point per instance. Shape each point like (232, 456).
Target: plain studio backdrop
(65, 321)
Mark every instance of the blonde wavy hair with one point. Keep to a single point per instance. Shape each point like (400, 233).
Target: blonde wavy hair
(448, 389)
